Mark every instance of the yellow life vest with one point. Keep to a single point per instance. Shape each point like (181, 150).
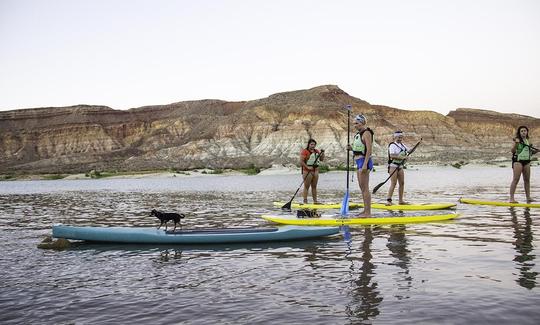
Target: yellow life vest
(358, 146)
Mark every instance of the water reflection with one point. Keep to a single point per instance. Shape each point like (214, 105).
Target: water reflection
(313, 249)
(523, 246)
(397, 244)
(174, 255)
(365, 295)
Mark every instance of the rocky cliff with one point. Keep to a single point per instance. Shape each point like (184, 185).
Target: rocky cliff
(219, 134)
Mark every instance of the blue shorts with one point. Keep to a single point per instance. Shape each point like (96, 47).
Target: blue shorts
(360, 163)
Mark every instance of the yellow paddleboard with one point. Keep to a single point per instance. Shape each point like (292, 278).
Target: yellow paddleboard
(327, 221)
(500, 203)
(402, 207)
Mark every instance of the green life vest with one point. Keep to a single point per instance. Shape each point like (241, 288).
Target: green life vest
(523, 151)
(358, 145)
(312, 159)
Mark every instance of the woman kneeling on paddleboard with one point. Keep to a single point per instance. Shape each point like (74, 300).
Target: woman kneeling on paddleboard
(397, 155)
(522, 151)
(309, 159)
(362, 148)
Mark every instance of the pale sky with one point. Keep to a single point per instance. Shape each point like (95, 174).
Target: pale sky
(414, 54)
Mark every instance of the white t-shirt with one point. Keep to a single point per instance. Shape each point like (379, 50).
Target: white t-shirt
(395, 148)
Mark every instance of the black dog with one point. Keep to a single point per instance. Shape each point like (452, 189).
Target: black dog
(166, 217)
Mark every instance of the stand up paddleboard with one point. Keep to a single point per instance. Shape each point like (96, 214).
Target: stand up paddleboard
(135, 235)
(500, 203)
(336, 221)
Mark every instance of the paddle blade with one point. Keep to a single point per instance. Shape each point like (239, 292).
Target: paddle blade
(376, 188)
(345, 205)
(287, 206)
(346, 233)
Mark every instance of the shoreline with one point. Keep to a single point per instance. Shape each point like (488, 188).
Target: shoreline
(274, 170)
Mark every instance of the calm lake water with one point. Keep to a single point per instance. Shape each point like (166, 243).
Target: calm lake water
(479, 269)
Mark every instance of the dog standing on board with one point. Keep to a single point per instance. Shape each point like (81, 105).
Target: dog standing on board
(166, 217)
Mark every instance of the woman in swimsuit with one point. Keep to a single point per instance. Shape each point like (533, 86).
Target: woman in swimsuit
(522, 151)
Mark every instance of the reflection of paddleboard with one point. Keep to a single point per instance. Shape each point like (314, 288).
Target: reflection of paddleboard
(328, 221)
(195, 236)
(500, 203)
(402, 207)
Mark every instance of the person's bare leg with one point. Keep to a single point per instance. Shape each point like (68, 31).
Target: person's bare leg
(307, 184)
(393, 182)
(363, 180)
(314, 182)
(401, 182)
(527, 182)
(517, 169)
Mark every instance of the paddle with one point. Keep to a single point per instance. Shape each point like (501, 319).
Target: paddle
(345, 203)
(287, 206)
(386, 180)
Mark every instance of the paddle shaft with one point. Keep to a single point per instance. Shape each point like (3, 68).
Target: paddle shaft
(348, 143)
(376, 188)
(345, 203)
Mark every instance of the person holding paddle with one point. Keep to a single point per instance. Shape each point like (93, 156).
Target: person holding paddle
(397, 155)
(309, 159)
(362, 148)
(522, 151)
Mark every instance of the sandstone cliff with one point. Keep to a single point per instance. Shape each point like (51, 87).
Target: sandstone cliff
(219, 134)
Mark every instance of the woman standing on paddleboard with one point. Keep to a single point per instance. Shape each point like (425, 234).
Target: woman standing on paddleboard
(397, 155)
(362, 148)
(522, 151)
(309, 159)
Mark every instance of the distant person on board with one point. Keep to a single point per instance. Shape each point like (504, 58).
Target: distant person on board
(397, 155)
(522, 151)
(309, 159)
(362, 148)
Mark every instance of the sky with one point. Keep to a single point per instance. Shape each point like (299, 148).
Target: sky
(415, 54)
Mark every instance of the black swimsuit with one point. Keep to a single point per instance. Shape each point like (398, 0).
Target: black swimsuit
(522, 162)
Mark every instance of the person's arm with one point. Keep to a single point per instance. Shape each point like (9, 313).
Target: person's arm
(321, 157)
(368, 141)
(303, 160)
(533, 149)
(514, 147)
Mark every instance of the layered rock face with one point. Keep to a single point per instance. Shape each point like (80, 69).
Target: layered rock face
(219, 134)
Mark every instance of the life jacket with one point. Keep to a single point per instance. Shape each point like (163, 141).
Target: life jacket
(313, 158)
(523, 152)
(402, 151)
(358, 145)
